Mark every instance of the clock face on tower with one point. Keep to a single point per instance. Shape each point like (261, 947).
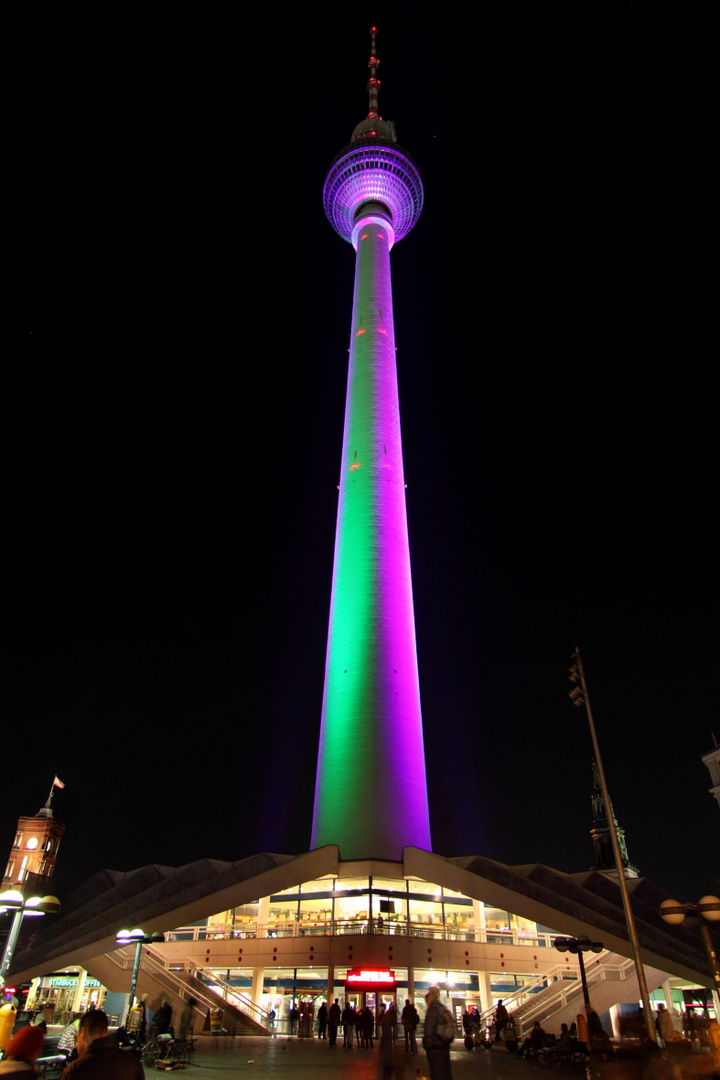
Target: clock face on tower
(32, 843)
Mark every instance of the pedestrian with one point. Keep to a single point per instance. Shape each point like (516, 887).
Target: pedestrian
(334, 1017)
(501, 1019)
(322, 1020)
(161, 1019)
(368, 1027)
(100, 1056)
(664, 1024)
(388, 1022)
(439, 1033)
(185, 1023)
(23, 1050)
(409, 1019)
(348, 1021)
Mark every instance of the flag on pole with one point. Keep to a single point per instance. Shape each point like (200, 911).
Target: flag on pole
(57, 782)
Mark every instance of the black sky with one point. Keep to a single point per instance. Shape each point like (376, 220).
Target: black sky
(174, 386)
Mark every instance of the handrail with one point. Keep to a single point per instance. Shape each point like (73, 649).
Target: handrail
(563, 991)
(337, 927)
(248, 1005)
(168, 976)
(541, 993)
(519, 996)
(172, 981)
(156, 967)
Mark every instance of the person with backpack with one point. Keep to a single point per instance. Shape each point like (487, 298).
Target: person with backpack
(440, 1031)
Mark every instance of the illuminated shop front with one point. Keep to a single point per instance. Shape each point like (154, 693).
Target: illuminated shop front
(66, 992)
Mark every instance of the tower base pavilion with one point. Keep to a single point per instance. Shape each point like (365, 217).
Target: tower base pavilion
(271, 932)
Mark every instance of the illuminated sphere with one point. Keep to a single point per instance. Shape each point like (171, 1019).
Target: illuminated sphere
(672, 912)
(373, 171)
(712, 904)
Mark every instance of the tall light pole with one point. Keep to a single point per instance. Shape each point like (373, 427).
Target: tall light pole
(138, 938)
(33, 906)
(707, 910)
(578, 946)
(580, 696)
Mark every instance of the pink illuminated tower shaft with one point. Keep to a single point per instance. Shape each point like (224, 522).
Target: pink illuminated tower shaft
(371, 793)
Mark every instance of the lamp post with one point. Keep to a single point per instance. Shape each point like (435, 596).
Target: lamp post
(138, 938)
(700, 914)
(578, 946)
(580, 696)
(33, 906)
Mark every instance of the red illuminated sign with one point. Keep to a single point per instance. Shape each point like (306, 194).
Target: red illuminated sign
(370, 978)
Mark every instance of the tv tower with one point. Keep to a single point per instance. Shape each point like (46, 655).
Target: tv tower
(371, 791)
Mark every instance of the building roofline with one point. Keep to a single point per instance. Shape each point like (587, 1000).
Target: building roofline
(171, 897)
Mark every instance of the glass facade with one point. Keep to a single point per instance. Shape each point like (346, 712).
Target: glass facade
(362, 905)
(366, 905)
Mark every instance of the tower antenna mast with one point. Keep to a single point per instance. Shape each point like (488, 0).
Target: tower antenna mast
(373, 82)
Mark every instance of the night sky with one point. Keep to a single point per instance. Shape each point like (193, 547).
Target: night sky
(173, 405)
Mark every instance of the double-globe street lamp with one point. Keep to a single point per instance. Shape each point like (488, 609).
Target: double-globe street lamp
(578, 946)
(700, 914)
(138, 938)
(23, 908)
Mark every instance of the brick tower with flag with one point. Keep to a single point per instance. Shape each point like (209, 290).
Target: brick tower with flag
(33, 854)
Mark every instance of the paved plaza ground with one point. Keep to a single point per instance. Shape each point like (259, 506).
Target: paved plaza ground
(311, 1059)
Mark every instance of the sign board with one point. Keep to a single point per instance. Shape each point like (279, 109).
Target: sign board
(370, 979)
(56, 981)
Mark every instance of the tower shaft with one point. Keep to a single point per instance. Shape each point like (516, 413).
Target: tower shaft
(371, 794)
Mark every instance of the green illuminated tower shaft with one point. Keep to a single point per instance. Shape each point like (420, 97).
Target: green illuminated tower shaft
(371, 793)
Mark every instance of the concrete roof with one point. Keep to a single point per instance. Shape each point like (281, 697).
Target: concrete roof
(161, 898)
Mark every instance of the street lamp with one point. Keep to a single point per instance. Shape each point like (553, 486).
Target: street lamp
(579, 695)
(707, 910)
(34, 906)
(138, 938)
(579, 945)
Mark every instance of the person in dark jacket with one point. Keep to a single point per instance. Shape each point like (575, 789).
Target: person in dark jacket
(100, 1056)
(322, 1021)
(501, 1019)
(161, 1019)
(348, 1020)
(334, 1016)
(368, 1027)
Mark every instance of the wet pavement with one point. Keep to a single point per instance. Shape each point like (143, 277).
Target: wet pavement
(312, 1059)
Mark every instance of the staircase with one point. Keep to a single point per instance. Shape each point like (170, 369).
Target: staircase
(611, 981)
(234, 1020)
(158, 982)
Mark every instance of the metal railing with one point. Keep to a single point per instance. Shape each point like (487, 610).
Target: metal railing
(563, 990)
(242, 1002)
(157, 968)
(337, 927)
